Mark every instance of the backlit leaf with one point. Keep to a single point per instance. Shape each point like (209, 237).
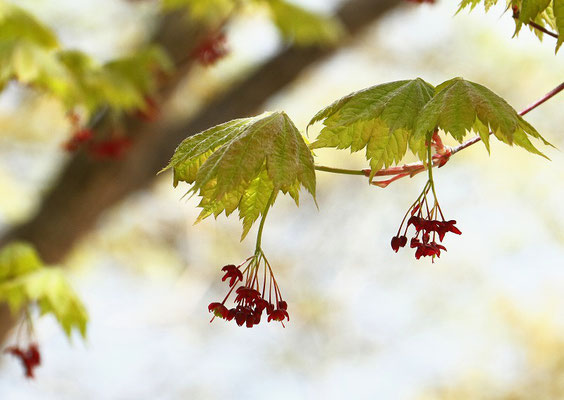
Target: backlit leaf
(24, 280)
(380, 119)
(460, 106)
(239, 164)
(302, 26)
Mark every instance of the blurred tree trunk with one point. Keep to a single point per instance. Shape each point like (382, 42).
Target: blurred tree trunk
(87, 187)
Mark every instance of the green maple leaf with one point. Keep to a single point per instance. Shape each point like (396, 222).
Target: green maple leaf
(530, 10)
(17, 24)
(558, 9)
(24, 279)
(380, 119)
(543, 12)
(460, 106)
(302, 26)
(16, 259)
(243, 163)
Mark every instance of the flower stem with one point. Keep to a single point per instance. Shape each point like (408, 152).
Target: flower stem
(261, 226)
(340, 170)
(430, 168)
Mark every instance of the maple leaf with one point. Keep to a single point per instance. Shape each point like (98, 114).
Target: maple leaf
(15, 23)
(460, 106)
(24, 279)
(380, 119)
(558, 9)
(302, 26)
(243, 163)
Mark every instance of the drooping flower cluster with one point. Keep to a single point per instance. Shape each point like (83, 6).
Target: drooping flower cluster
(30, 357)
(256, 292)
(114, 148)
(211, 49)
(429, 230)
(78, 138)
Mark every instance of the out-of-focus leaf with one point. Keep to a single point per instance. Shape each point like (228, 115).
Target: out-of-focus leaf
(302, 26)
(24, 280)
(16, 259)
(210, 11)
(17, 24)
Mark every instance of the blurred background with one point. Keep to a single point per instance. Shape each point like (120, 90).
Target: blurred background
(482, 322)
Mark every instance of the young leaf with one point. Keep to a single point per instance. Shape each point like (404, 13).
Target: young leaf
(529, 11)
(18, 258)
(380, 118)
(302, 26)
(210, 11)
(242, 162)
(52, 293)
(24, 279)
(460, 106)
(17, 24)
(558, 9)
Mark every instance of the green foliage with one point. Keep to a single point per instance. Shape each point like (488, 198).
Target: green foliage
(460, 106)
(29, 54)
(387, 119)
(546, 13)
(380, 118)
(210, 11)
(558, 9)
(295, 23)
(243, 163)
(24, 279)
(121, 84)
(302, 26)
(16, 24)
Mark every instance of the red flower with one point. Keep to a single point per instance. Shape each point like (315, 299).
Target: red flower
(30, 358)
(427, 228)
(218, 309)
(397, 242)
(232, 272)
(78, 137)
(211, 49)
(257, 294)
(111, 148)
(278, 315)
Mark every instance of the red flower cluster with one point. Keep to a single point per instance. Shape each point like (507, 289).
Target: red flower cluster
(30, 358)
(79, 137)
(251, 299)
(427, 228)
(211, 49)
(111, 148)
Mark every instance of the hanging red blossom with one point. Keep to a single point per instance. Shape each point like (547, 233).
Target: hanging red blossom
(111, 148)
(428, 228)
(211, 49)
(30, 358)
(78, 138)
(257, 293)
